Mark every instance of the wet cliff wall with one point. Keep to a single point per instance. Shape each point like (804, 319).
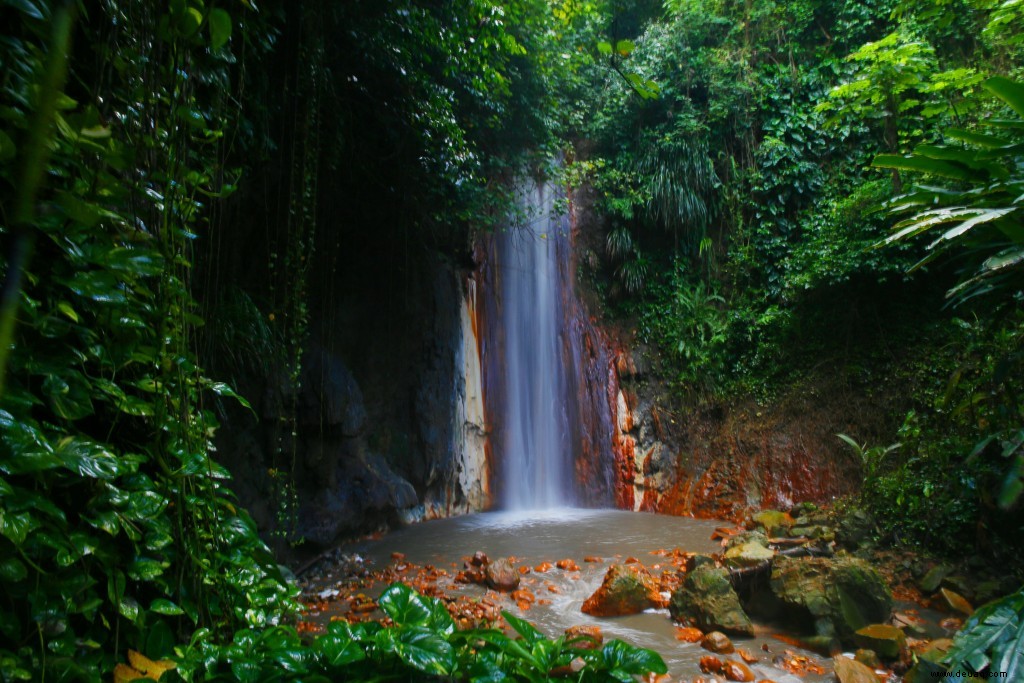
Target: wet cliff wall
(385, 425)
(653, 450)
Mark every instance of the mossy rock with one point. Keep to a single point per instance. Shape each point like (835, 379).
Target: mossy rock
(839, 595)
(626, 589)
(707, 598)
(773, 522)
(748, 555)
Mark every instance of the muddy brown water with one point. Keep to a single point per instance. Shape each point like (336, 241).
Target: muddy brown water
(551, 535)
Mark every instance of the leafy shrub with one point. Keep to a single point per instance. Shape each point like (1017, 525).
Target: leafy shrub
(421, 644)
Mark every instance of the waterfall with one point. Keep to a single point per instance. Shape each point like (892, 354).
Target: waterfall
(531, 258)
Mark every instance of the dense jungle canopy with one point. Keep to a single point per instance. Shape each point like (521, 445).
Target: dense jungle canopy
(786, 191)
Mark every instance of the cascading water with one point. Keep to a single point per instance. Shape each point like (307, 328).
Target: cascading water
(536, 451)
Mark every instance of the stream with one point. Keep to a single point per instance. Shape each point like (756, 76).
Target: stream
(551, 535)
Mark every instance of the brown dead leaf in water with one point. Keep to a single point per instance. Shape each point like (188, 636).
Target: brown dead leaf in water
(799, 664)
(746, 656)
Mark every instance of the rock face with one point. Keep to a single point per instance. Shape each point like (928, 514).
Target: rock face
(835, 596)
(626, 589)
(384, 424)
(707, 598)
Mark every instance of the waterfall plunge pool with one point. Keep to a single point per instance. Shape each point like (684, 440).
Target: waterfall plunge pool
(439, 549)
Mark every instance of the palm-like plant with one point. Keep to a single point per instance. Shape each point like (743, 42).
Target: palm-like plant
(979, 208)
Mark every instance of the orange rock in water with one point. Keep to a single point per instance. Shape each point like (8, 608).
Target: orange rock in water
(717, 642)
(524, 569)
(593, 558)
(502, 576)
(568, 565)
(689, 635)
(710, 665)
(542, 567)
(737, 671)
(746, 656)
(626, 589)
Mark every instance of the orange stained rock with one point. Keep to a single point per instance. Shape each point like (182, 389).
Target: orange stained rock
(524, 569)
(397, 556)
(737, 671)
(568, 565)
(542, 567)
(689, 634)
(710, 664)
(593, 558)
(746, 656)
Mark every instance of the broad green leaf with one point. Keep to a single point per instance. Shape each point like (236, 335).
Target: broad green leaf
(625, 47)
(405, 606)
(166, 607)
(69, 395)
(524, 628)
(604, 47)
(98, 285)
(144, 569)
(137, 261)
(983, 216)
(624, 658)
(65, 308)
(129, 608)
(246, 671)
(189, 22)
(937, 167)
(88, 458)
(979, 139)
(220, 27)
(104, 521)
(222, 389)
(12, 570)
(1008, 91)
(338, 646)
(418, 647)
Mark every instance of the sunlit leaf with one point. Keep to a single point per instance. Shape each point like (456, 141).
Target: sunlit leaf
(220, 27)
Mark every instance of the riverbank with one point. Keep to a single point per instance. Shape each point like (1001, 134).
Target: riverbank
(553, 565)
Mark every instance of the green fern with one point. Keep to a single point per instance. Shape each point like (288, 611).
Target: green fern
(992, 639)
